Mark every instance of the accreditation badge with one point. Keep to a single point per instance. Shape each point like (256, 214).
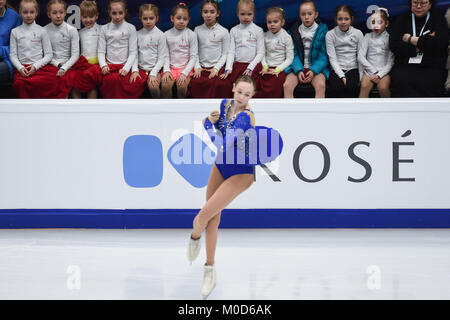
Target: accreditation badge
(417, 59)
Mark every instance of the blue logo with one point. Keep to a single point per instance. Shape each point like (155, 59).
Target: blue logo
(143, 160)
(192, 159)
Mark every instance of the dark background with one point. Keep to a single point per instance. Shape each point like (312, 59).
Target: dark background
(228, 16)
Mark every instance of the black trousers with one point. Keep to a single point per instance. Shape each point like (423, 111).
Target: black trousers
(337, 89)
(409, 81)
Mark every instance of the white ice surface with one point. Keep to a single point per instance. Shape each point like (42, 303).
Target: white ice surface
(250, 264)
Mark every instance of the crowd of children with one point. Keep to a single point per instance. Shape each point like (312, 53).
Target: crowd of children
(116, 61)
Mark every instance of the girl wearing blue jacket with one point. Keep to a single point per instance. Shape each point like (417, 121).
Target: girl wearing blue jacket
(9, 19)
(310, 63)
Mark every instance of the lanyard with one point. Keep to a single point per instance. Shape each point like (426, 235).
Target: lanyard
(414, 24)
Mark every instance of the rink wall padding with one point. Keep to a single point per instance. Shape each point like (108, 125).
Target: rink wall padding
(231, 218)
(346, 163)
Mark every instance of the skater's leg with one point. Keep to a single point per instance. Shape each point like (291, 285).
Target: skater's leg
(225, 193)
(215, 180)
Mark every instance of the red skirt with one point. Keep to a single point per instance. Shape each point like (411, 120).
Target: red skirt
(203, 87)
(88, 79)
(115, 86)
(240, 67)
(141, 82)
(73, 75)
(43, 84)
(271, 86)
(78, 70)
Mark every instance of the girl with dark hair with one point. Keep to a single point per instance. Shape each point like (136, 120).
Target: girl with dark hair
(152, 52)
(183, 51)
(343, 43)
(213, 44)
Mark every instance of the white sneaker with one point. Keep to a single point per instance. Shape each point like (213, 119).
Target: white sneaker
(193, 249)
(209, 280)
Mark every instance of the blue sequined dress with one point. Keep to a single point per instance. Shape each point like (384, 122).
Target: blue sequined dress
(240, 123)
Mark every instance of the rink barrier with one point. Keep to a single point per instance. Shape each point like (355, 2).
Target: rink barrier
(231, 218)
(116, 164)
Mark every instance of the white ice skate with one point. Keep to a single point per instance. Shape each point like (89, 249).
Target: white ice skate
(193, 249)
(209, 281)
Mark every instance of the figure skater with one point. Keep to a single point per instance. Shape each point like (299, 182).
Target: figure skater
(228, 179)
